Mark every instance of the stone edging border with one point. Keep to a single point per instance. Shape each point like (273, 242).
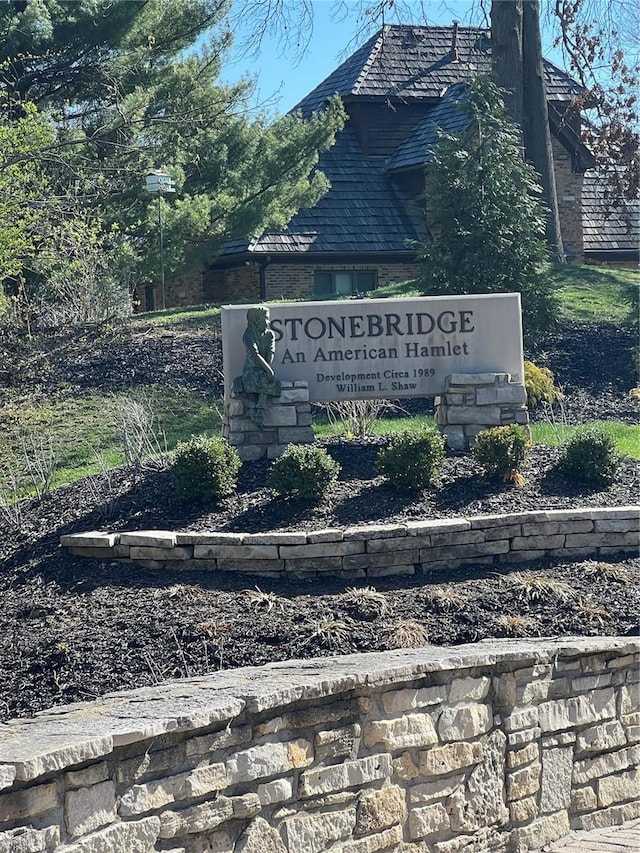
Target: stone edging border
(377, 550)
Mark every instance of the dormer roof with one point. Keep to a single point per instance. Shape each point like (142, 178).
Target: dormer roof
(445, 116)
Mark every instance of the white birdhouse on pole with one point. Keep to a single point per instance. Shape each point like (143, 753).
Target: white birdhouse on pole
(158, 183)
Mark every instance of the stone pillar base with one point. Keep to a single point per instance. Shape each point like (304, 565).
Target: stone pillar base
(287, 421)
(472, 402)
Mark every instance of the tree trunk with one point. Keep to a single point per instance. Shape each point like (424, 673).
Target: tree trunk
(516, 50)
(535, 126)
(506, 54)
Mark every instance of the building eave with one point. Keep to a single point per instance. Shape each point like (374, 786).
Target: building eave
(612, 254)
(305, 258)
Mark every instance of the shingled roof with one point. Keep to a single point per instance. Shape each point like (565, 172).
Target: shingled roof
(363, 213)
(608, 229)
(445, 116)
(407, 63)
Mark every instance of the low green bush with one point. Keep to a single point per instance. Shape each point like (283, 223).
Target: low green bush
(502, 451)
(590, 456)
(205, 469)
(413, 460)
(540, 385)
(303, 471)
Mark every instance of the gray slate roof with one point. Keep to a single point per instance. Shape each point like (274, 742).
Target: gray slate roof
(362, 213)
(607, 228)
(407, 62)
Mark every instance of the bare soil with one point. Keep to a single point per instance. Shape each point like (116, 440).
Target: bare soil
(74, 628)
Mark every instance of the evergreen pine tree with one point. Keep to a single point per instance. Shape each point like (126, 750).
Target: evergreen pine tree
(484, 213)
(127, 88)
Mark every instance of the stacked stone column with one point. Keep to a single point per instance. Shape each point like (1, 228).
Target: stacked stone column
(287, 421)
(472, 402)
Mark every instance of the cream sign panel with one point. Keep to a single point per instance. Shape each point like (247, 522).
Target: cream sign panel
(367, 348)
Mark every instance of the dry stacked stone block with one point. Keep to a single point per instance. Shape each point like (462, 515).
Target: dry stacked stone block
(472, 402)
(287, 421)
(377, 549)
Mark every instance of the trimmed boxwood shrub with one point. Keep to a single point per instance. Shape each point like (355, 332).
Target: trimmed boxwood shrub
(205, 469)
(413, 460)
(303, 471)
(502, 451)
(590, 456)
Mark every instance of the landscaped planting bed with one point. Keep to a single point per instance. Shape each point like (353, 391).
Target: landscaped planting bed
(73, 628)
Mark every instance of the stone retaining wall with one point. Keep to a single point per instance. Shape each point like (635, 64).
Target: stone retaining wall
(496, 747)
(378, 550)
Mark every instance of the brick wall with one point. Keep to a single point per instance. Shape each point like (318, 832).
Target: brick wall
(394, 273)
(242, 283)
(186, 289)
(292, 280)
(569, 192)
(493, 746)
(236, 284)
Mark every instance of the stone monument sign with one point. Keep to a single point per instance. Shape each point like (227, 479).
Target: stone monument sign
(383, 348)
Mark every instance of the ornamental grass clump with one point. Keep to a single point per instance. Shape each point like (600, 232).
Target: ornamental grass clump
(365, 603)
(590, 456)
(303, 471)
(531, 586)
(413, 460)
(514, 625)
(205, 469)
(404, 634)
(502, 451)
(328, 632)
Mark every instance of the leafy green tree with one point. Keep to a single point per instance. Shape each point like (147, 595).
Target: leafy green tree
(22, 187)
(28, 207)
(54, 251)
(484, 213)
(131, 87)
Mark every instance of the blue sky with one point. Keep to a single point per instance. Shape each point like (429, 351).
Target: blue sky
(283, 78)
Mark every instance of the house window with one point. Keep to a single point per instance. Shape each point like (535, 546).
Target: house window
(343, 282)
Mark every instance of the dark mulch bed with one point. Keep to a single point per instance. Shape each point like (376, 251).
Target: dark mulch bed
(74, 628)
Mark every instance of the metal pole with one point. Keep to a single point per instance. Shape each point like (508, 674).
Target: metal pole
(164, 300)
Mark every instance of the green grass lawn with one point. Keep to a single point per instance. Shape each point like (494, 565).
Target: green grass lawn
(627, 437)
(592, 293)
(585, 292)
(84, 435)
(188, 318)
